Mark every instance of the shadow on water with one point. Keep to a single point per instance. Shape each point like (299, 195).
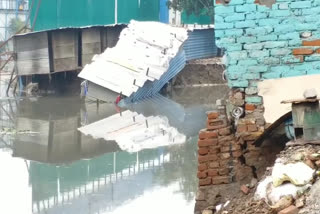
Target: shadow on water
(126, 158)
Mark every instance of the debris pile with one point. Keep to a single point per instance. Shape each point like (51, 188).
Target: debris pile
(286, 185)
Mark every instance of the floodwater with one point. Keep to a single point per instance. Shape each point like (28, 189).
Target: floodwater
(141, 159)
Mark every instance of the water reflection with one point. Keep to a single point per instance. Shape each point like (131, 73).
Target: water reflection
(127, 168)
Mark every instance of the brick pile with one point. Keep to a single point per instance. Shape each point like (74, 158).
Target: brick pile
(219, 151)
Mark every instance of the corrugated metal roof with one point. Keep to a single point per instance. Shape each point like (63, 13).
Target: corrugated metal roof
(147, 56)
(143, 53)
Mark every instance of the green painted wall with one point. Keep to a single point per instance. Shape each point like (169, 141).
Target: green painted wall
(76, 13)
(192, 19)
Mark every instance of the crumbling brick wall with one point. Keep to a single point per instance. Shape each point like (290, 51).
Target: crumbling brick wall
(266, 43)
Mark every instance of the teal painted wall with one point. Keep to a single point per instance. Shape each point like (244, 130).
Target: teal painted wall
(192, 19)
(55, 14)
(263, 43)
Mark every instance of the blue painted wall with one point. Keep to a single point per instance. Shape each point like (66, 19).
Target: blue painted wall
(164, 11)
(266, 43)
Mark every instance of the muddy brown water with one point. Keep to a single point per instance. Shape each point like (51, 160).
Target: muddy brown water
(48, 166)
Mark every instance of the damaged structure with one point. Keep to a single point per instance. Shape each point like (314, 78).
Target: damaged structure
(272, 55)
(149, 61)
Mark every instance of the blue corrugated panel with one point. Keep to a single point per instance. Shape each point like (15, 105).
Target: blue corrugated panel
(200, 44)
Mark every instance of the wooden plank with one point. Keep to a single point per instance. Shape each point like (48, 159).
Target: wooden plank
(66, 64)
(66, 51)
(33, 54)
(91, 48)
(31, 42)
(38, 66)
(91, 35)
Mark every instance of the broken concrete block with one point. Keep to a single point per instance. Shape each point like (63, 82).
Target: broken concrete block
(310, 94)
(290, 210)
(298, 174)
(283, 203)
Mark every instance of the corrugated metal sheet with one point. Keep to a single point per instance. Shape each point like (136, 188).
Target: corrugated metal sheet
(124, 72)
(54, 14)
(201, 44)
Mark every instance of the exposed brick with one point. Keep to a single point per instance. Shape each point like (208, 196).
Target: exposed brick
(207, 142)
(213, 172)
(252, 128)
(228, 162)
(245, 189)
(202, 167)
(225, 131)
(221, 180)
(205, 182)
(250, 107)
(223, 139)
(212, 115)
(251, 136)
(224, 155)
(224, 171)
(206, 158)
(237, 154)
(213, 165)
(290, 210)
(241, 128)
(230, 148)
(216, 124)
(203, 151)
(302, 51)
(214, 149)
(318, 51)
(311, 43)
(202, 174)
(204, 134)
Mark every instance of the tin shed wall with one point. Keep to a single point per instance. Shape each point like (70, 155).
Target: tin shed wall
(55, 14)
